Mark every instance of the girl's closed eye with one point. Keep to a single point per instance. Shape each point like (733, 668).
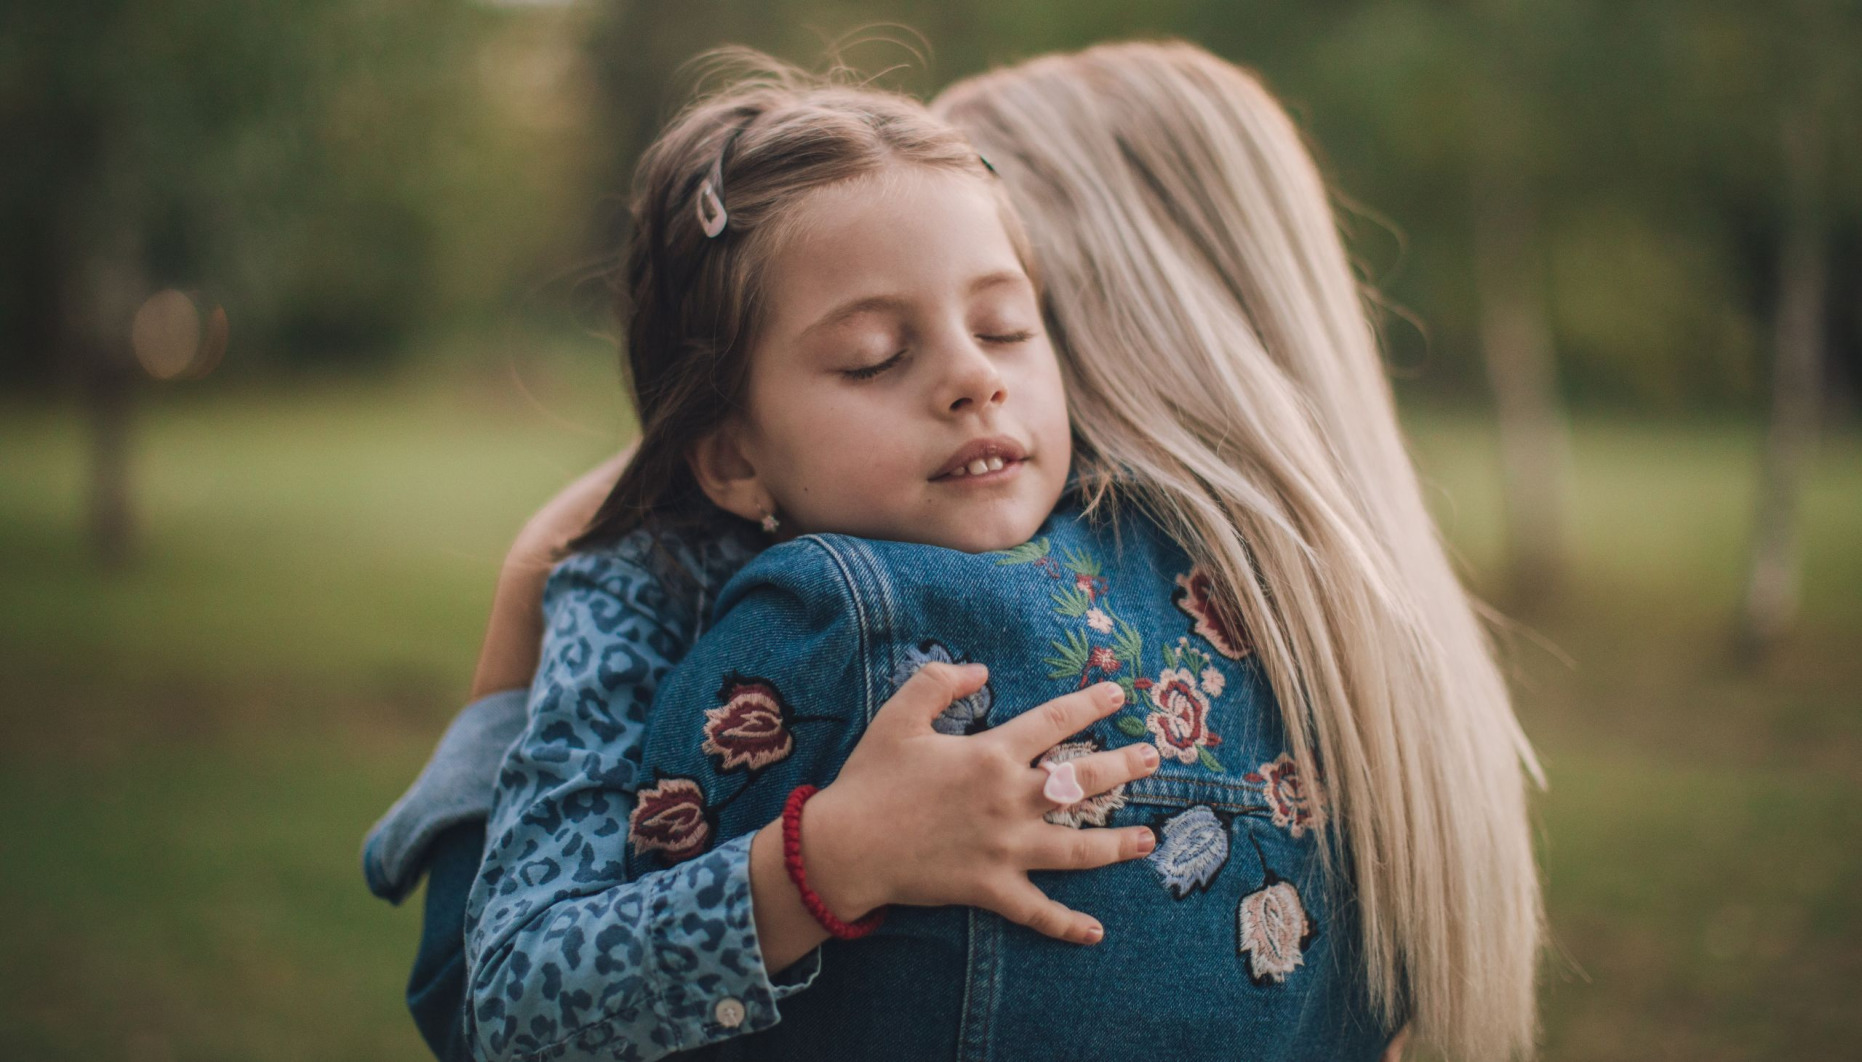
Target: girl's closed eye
(867, 372)
(1007, 338)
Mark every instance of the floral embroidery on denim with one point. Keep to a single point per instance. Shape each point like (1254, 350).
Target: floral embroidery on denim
(1177, 720)
(1095, 810)
(1272, 930)
(1272, 927)
(966, 715)
(1191, 849)
(750, 728)
(1212, 618)
(1294, 810)
(670, 818)
(1178, 723)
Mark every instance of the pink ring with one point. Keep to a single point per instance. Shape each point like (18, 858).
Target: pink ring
(1062, 786)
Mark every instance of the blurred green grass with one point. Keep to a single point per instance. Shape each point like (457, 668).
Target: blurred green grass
(191, 749)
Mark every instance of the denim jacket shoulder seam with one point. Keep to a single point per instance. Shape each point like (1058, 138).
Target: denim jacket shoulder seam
(870, 610)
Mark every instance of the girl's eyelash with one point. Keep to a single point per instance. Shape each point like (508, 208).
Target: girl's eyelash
(870, 371)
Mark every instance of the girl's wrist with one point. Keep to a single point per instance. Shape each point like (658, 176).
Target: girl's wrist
(831, 854)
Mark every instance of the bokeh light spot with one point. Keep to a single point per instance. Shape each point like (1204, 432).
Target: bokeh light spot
(166, 334)
(171, 340)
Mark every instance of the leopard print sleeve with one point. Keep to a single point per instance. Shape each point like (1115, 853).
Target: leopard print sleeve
(569, 955)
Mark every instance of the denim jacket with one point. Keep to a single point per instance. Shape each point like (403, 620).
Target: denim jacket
(1224, 942)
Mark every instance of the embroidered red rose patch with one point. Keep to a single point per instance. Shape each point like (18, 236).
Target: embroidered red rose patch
(1293, 809)
(749, 730)
(1212, 617)
(670, 818)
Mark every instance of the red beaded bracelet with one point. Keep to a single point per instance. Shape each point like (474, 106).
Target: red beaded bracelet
(792, 859)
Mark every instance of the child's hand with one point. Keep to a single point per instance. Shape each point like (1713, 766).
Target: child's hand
(918, 817)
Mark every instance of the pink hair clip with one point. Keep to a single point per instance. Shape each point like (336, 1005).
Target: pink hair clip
(711, 215)
(1063, 786)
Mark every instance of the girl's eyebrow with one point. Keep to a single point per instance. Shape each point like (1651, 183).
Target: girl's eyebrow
(893, 303)
(854, 308)
(990, 280)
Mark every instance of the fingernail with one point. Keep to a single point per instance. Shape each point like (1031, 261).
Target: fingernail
(1148, 754)
(1146, 842)
(1113, 693)
(1095, 933)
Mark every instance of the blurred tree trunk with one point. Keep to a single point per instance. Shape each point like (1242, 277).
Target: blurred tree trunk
(1770, 606)
(1516, 343)
(109, 289)
(112, 525)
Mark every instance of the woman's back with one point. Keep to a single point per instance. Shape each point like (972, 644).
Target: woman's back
(1224, 943)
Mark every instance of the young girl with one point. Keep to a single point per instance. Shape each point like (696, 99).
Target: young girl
(833, 326)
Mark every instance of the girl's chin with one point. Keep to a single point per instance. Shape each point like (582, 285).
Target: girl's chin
(1003, 524)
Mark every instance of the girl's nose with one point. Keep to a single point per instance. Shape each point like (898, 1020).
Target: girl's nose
(974, 382)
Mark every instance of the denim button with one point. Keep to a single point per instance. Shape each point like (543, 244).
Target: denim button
(730, 1012)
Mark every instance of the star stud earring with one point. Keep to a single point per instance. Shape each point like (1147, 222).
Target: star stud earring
(770, 523)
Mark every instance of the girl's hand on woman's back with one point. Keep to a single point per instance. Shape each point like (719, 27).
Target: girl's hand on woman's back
(922, 818)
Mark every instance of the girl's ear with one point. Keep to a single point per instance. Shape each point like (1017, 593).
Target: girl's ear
(727, 477)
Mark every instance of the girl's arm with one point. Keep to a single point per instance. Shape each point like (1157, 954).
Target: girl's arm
(571, 955)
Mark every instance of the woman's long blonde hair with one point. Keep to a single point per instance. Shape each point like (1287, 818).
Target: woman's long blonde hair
(1219, 350)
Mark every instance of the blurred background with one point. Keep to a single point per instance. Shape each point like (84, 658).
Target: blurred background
(302, 312)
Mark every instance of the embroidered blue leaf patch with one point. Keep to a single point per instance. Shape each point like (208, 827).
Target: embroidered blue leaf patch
(1191, 849)
(965, 716)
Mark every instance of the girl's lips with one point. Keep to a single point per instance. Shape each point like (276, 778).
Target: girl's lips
(982, 459)
(992, 470)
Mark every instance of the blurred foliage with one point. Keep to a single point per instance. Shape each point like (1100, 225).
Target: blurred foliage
(344, 174)
(336, 172)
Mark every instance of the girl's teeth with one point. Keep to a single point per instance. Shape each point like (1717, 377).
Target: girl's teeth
(978, 467)
(995, 464)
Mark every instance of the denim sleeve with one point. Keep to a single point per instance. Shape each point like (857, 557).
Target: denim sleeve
(453, 789)
(569, 955)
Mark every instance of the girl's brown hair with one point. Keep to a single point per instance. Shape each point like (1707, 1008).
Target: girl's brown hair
(691, 302)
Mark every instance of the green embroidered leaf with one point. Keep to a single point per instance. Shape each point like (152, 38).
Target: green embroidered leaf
(1130, 726)
(1129, 645)
(1170, 656)
(1131, 691)
(1026, 553)
(1070, 656)
(1072, 602)
(1080, 563)
(1209, 760)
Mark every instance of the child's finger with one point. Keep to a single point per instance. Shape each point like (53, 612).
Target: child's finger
(1100, 771)
(1035, 731)
(1020, 902)
(929, 692)
(1065, 848)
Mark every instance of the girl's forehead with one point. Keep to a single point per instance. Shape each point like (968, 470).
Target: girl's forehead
(889, 240)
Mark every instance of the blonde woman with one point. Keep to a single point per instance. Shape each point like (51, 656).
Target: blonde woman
(1224, 386)
(1218, 345)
